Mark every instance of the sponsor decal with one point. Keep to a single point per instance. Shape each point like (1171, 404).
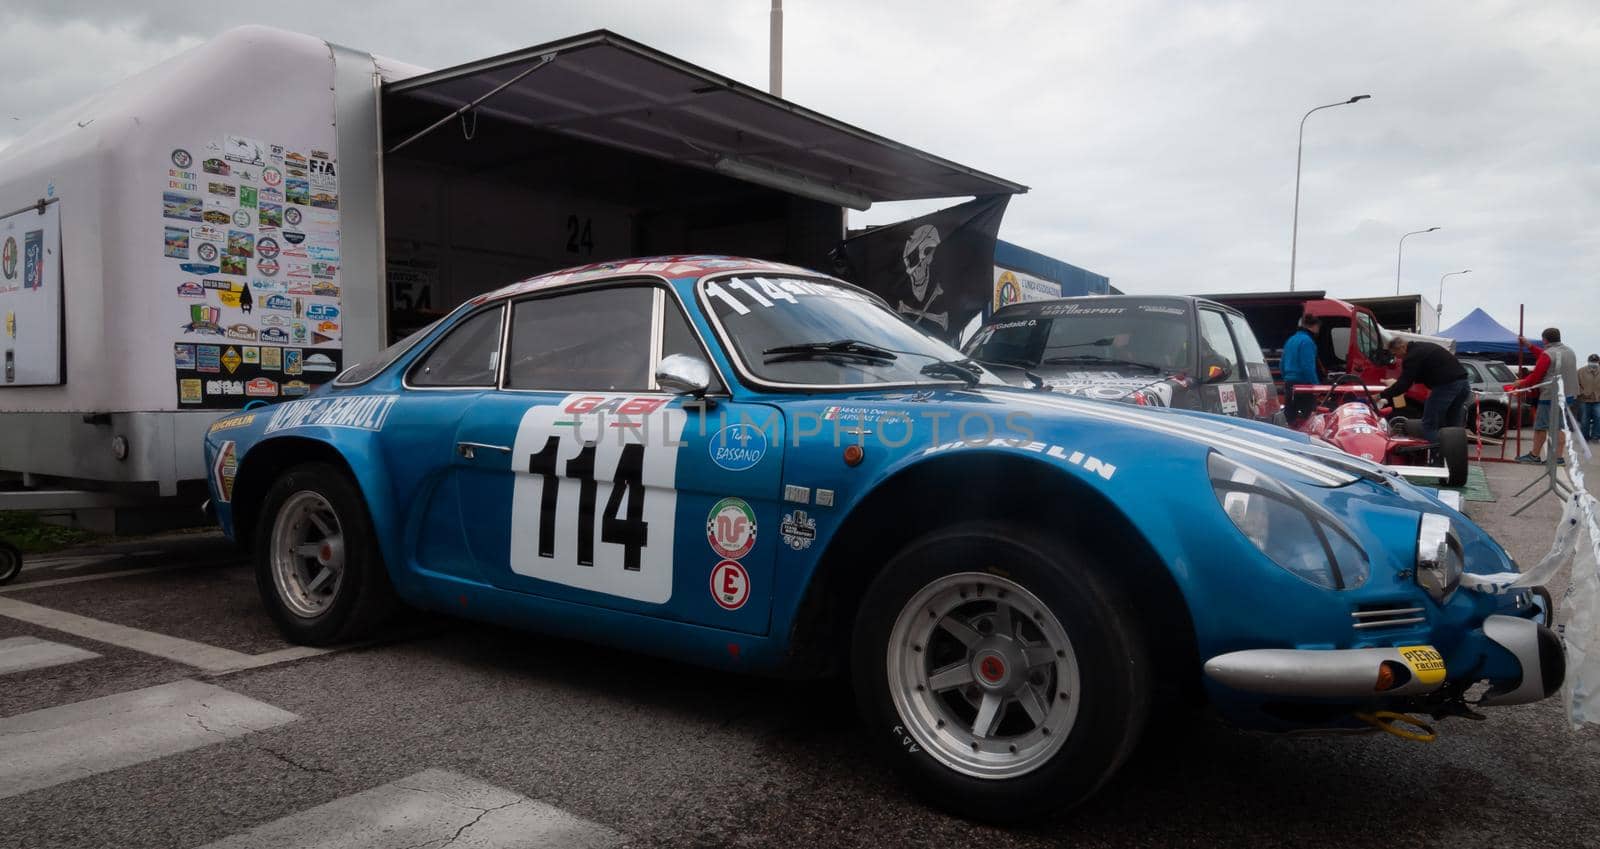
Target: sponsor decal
(619, 405)
(241, 218)
(292, 216)
(271, 215)
(181, 158)
(320, 363)
(206, 252)
(293, 360)
(273, 334)
(231, 360)
(251, 355)
(295, 159)
(235, 265)
(797, 494)
(240, 331)
(208, 233)
(295, 388)
(184, 207)
(269, 287)
(189, 391)
(324, 270)
(272, 358)
(222, 190)
(798, 530)
(730, 585)
(245, 150)
(272, 176)
(261, 387)
(297, 331)
(360, 412)
(216, 166)
(297, 191)
(320, 338)
(203, 319)
(267, 247)
(324, 288)
(278, 302)
(824, 498)
(214, 216)
(200, 268)
(176, 243)
(224, 387)
(183, 356)
(319, 312)
(328, 327)
(208, 358)
(241, 244)
(33, 259)
(738, 447)
(294, 237)
(232, 422)
(267, 267)
(325, 200)
(8, 258)
(247, 196)
(731, 528)
(322, 253)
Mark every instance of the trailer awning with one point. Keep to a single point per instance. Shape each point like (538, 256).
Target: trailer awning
(612, 91)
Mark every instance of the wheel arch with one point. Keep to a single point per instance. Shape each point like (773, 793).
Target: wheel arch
(993, 485)
(263, 463)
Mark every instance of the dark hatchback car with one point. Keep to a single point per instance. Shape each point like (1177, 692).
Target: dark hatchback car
(1165, 351)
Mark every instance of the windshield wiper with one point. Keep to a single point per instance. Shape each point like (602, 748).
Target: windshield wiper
(852, 348)
(967, 371)
(1095, 358)
(1019, 365)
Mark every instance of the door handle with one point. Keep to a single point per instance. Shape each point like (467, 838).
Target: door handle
(468, 450)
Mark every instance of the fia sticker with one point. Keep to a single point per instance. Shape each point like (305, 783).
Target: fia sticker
(730, 585)
(731, 528)
(738, 447)
(798, 530)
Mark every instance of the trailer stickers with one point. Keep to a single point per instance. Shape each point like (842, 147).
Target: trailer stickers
(235, 230)
(8, 258)
(181, 158)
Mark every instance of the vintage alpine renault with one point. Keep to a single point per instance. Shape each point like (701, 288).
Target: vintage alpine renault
(757, 467)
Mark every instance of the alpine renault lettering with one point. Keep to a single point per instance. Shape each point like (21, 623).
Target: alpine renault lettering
(756, 467)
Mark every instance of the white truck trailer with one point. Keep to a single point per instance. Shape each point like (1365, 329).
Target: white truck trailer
(241, 221)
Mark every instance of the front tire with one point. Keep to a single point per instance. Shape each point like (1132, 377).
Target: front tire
(1002, 675)
(1453, 449)
(10, 562)
(318, 567)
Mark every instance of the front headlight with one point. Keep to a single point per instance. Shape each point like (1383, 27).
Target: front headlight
(1290, 529)
(1439, 557)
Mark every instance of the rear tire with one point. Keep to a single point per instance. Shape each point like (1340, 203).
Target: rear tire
(1453, 450)
(318, 567)
(10, 562)
(998, 627)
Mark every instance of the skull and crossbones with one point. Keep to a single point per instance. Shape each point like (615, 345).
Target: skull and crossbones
(917, 256)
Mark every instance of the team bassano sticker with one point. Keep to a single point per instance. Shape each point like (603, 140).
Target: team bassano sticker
(730, 585)
(731, 528)
(738, 447)
(798, 530)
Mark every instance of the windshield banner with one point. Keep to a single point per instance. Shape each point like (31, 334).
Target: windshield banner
(937, 270)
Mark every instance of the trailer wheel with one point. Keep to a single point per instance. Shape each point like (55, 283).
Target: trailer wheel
(10, 562)
(1453, 449)
(318, 566)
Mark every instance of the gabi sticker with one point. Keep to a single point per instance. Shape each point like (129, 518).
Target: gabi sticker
(798, 530)
(731, 528)
(730, 585)
(738, 447)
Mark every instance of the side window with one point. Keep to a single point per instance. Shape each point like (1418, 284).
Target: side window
(1216, 344)
(468, 355)
(1472, 372)
(677, 337)
(1367, 335)
(1255, 362)
(594, 340)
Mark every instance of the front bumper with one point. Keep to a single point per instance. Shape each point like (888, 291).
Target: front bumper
(1522, 660)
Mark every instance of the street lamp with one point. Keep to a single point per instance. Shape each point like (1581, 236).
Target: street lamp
(1294, 238)
(1402, 254)
(1439, 310)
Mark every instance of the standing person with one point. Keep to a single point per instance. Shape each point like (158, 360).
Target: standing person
(1299, 366)
(1435, 367)
(1555, 360)
(1589, 396)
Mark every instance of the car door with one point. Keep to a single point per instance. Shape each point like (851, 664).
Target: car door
(1217, 349)
(1260, 400)
(581, 480)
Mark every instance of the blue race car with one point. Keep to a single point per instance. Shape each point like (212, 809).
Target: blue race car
(757, 467)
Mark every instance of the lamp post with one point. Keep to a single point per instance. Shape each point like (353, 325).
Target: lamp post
(1402, 254)
(1439, 310)
(1294, 238)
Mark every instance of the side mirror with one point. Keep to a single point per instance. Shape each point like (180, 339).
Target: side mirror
(684, 374)
(1217, 373)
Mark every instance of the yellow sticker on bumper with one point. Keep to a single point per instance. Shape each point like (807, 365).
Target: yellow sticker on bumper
(1425, 661)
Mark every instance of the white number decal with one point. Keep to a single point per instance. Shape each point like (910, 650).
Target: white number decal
(594, 497)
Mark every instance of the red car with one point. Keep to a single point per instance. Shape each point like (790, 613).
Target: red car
(1346, 417)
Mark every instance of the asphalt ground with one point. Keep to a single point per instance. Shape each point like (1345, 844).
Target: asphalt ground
(452, 733)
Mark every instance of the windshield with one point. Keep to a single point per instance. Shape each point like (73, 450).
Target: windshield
(1499, 373)
(368, 369)
(1153, 337)
(801, 332)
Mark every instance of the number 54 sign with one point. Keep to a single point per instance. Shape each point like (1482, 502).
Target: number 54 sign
(594, 499)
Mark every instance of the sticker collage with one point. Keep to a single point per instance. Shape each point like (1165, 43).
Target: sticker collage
(251, 242)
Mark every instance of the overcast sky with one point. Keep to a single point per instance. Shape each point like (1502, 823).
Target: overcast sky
(1158, 139)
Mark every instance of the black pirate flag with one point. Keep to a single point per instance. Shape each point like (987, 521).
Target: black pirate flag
(936, 270)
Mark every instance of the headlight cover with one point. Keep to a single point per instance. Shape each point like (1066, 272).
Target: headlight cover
(1290, 529)
(1439, 557)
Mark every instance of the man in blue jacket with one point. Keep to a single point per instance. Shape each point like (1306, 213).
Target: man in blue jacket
(1299, 366)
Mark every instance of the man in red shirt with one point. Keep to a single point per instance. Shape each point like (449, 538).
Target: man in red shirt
(1556, 359)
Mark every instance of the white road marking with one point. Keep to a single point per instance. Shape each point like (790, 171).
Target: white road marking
(211, 659)
(431, 808)
(19, 654)
(54, 745)
(98, 576)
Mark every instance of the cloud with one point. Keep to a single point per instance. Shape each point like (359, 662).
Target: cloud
(1158, 138)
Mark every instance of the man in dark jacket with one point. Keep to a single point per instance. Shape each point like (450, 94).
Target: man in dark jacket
(1436, 368)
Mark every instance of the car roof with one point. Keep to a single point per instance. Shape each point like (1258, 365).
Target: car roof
(668, 267)
(1028, 307)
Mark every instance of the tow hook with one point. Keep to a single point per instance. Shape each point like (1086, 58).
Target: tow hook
(1401, 725)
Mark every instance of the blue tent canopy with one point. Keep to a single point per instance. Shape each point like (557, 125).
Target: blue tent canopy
(1480, 334)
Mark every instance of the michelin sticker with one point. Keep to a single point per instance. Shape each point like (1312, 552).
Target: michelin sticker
(738, 447)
